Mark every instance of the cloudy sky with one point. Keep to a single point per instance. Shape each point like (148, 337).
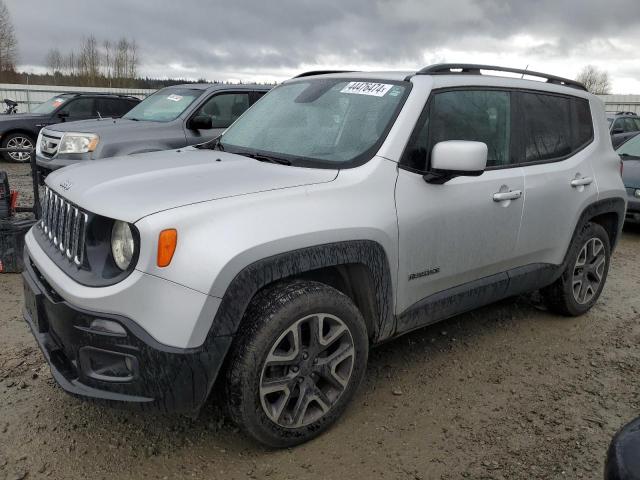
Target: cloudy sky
(273, 39)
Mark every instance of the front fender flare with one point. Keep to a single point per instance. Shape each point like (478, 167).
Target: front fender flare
(271, 269)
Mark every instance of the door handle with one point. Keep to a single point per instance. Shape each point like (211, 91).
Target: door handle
(504, 196)
(581, 182)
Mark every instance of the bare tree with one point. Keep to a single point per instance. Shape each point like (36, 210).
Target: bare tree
(70, 64)
(132, 70)
(89, 60)
(54, 61)
(107, 59)
(8, 42)
(597, 81)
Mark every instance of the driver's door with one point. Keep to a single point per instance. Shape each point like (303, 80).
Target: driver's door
(457, 240)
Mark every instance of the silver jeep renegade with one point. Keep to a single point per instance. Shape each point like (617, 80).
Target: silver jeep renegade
(341, 210)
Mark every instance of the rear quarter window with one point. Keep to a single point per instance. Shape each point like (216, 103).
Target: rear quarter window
(554, 126)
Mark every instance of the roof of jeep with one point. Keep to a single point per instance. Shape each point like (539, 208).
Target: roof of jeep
(454, 79)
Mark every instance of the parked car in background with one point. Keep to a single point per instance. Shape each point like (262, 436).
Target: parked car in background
(629, 152)
(337, 213)
(21, 130)
(170, 118)
(622, 125)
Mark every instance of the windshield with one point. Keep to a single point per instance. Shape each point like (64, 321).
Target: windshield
(323, 122)
(165, 105)
(51, 104)
(630, 148)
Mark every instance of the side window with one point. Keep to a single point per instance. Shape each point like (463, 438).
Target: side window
(80, 107)
(224, 108)
(630, 125)
(618, 124)
(554, 126)
(476, 115)
(112, 107)
(584, 124)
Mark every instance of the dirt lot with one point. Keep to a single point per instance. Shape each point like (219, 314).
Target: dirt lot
(506, 392)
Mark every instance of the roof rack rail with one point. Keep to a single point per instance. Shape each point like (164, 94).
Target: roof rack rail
(473, 69)
(321, 72)
(633, 114)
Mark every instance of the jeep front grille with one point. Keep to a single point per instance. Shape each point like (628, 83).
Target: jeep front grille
(64, 225)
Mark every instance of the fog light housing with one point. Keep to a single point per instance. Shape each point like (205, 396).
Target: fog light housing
(107, 366)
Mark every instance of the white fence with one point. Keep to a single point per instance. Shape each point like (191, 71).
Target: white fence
(28, 96)
(622, 103)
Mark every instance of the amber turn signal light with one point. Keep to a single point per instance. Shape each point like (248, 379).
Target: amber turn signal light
(167, 242)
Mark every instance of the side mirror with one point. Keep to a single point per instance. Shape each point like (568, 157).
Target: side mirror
(616, 131)
(201, 122)
(63, 115)
(456, 158)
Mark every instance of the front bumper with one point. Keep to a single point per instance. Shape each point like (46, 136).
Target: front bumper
(124, 369)
(54, 163)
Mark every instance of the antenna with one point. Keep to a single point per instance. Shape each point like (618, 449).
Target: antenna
(524, 71)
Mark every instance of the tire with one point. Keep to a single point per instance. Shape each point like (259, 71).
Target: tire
(583, 279)
(278, 413)
(17, 140)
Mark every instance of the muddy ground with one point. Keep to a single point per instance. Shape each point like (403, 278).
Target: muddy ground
(506, 392)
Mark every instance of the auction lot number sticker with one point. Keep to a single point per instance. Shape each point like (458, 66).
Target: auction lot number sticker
(367, 88)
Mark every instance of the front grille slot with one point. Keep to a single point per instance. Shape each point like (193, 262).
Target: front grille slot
(49, 145)
(64, 225)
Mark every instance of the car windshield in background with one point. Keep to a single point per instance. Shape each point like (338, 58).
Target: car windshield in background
(630, 148)
(321, 122)
(51, 104)
(165, 105)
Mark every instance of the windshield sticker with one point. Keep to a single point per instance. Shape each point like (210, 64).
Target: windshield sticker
(58, 101)
(395, 92)
(175, 98)
(366, 88)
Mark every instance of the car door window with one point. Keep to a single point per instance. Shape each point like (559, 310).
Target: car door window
(224, 108)
(548, 126)
(475, 115)
(80, 107)
(618, 125)
(112, 107)
(630, 125)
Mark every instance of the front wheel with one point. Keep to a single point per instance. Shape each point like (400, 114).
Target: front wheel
(300, 356)
(581, 283)
(17, 141)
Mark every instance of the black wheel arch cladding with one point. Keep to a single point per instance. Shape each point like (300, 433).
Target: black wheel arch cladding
(266, 271)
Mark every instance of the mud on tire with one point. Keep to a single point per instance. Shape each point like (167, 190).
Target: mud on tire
(278, 363)
(583, 279)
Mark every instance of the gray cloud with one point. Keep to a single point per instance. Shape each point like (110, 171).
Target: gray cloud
(275, 38)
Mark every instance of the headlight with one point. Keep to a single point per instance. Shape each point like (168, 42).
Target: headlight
(78, 143)
(122, 244)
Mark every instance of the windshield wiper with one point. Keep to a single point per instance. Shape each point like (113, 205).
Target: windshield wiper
(630, 157)
(267, 158)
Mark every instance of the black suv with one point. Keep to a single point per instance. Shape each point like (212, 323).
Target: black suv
(21, 130)
(622, 125)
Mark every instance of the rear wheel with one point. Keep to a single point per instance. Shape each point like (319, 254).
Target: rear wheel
(300, 356)
(18, 141)
(581, 284)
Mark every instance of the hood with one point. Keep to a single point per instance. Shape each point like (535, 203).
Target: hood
(20, 116)
(102, 126)
(129, 188)
(631, 173)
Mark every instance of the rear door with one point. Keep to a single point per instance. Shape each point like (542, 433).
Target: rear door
(457, 233)
(223, 108)
(555, 154)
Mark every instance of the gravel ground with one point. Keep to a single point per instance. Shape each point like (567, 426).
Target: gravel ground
(506, 392)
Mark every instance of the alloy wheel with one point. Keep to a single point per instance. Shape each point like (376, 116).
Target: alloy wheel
(307, 370)
(20, 142)
(588, 271)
